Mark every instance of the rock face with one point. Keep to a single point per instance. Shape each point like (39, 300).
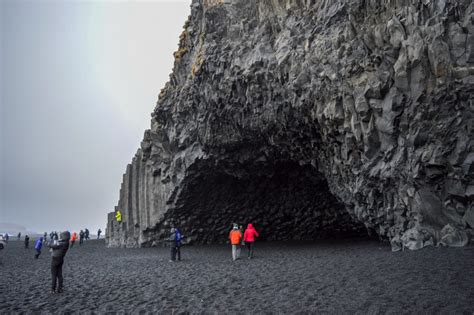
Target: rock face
(311, 118)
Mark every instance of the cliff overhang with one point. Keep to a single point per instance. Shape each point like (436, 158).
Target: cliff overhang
(311, 118)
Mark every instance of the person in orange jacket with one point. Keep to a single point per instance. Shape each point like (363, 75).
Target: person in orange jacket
(235, 237)
(73, 239)
(250, 235)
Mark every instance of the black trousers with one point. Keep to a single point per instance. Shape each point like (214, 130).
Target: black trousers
(250, 249)
(175, 251)
(72, 243)
(38, 253)
(57, 272)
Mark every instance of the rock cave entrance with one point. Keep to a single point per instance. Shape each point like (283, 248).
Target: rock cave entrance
(284, 201)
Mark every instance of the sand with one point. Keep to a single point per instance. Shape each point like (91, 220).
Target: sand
(350, 276)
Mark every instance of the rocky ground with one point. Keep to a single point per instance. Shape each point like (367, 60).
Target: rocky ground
(350, 276)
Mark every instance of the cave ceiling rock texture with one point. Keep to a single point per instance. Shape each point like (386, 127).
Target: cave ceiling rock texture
(311, 118)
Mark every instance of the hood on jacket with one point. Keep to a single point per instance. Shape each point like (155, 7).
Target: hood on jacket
(65, 236)
(250, 226)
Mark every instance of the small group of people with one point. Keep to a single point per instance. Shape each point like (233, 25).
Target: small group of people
(239, 238)
(53, 237)
(83, 235)
(59, 244)
(58, 248)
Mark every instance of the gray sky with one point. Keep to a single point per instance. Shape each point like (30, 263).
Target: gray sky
(78, 83)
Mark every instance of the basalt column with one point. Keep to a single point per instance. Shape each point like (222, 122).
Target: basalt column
(311, 118)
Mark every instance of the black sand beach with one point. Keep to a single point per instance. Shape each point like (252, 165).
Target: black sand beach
(351, 276)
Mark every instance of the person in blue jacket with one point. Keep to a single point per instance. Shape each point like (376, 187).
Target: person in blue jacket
(38, 246)
(179, 240)
(175, 239)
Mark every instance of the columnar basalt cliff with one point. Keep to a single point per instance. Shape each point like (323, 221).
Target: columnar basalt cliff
(311, 118)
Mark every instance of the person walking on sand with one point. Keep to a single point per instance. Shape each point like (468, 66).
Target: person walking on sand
(27, 241)
(73, 239)
(235, 237)
(86, 234)
(249, 238)
(81, 237)
(60, 248)
(38, 246)
(98, 234)
(175, 239)
(45, 237)
(19, 236)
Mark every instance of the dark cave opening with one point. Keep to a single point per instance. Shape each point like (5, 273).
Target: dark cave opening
(284, 201)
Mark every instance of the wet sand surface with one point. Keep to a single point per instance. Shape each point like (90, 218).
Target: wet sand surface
(350, 276)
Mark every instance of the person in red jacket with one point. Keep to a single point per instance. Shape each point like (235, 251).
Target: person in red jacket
(73, 239)
(250, 235)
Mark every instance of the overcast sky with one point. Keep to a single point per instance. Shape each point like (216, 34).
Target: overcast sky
(78, 83)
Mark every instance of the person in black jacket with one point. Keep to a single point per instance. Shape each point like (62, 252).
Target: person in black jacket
(27, 241)
(59, 249)
(81, 237)
(86, 234)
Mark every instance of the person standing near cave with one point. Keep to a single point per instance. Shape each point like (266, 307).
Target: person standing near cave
(175, 240)
(235, 237)
(59, 249)
(179, 240)
(27, 241)
(250, 236)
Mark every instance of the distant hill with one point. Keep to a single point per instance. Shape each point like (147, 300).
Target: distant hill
(13, 229)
